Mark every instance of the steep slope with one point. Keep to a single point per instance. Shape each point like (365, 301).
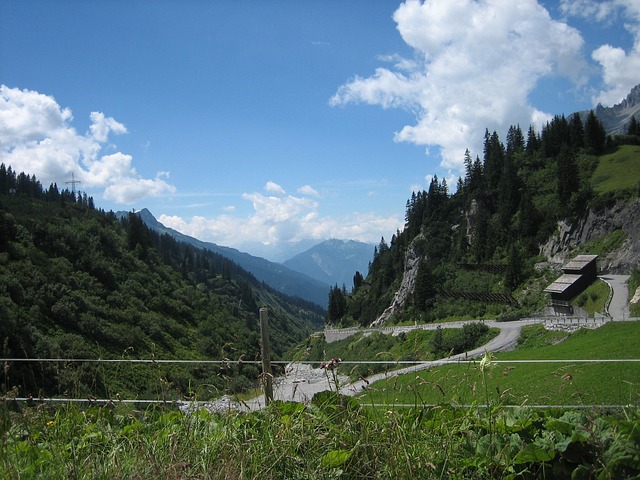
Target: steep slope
(565, 190)
(333, 262)
(617, 224)
(77, 283)
(277, 276)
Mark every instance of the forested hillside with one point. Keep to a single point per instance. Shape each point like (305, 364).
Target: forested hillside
(75, 282)
(472, 253)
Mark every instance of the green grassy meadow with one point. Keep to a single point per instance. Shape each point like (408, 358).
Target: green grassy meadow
(511, 383)
(618, 171)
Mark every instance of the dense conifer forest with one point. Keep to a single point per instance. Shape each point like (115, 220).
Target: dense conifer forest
(76, 282)
(485, 238)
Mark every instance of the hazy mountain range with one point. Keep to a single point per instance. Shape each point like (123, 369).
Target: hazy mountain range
(334, 261)
(307, 275)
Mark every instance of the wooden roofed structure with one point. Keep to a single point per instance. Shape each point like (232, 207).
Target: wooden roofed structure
(578, 274)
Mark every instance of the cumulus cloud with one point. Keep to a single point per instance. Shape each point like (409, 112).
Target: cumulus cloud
(619, 67)
(476, 62)
(285, 218)
(36, 137)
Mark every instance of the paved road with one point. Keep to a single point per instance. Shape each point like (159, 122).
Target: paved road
(505, 340)
(619, 306)
(302, 382)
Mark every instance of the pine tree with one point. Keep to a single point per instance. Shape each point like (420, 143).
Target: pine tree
(576, 131)
(424, 289)
(634, 127)
(358, 280)
(567, 175)
(515, 268)
(595, 136)
(533, 143)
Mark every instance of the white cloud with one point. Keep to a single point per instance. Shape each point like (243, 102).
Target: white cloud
(308, 190)
(36, 137)
(620, 68)
(274, 188)
(594, 9)
(476, 62)
(620, 72)
(283, 219)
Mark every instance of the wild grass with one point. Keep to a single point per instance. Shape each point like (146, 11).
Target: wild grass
(333, 437)
(341, 437)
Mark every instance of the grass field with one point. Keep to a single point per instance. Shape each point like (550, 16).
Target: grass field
(618, 171)
(513, 383)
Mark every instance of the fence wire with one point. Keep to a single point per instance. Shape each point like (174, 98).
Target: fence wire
(309, 362)
(111, 402)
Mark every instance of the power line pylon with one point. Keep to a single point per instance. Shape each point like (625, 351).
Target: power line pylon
(73, 183)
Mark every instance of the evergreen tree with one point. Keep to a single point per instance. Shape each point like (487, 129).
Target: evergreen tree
(515, 142)
(634, 127)
(595, 136)
(508, 193)
(337, 305)
(494, 155)
(576, 131)
(358, 281)
(515, 268)
(533, 143)
(424, 290)
(567, 175)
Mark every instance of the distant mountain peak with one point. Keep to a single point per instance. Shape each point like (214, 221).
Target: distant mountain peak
(334, 261)
(616, 119)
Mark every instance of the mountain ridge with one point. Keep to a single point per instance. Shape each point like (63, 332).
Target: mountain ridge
(334, 261)
(277, 276)
(615, 119)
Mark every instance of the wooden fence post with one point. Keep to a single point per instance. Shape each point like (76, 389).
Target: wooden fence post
(266, 357)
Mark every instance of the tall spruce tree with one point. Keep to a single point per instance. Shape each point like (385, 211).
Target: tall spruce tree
(595, 136)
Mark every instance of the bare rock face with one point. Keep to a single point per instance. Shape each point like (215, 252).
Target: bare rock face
(411, 264)
(623, 215)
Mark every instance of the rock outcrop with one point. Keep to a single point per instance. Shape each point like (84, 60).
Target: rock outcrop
(624, 215)
(411, 265)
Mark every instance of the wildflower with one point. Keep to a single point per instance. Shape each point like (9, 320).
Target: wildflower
(486, 360)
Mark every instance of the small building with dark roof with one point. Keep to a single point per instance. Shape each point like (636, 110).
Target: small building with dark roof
(578, 274)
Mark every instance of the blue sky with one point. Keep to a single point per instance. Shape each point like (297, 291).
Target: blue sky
(253, 123)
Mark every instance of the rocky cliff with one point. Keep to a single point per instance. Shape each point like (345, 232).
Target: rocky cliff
(411, 264)
(623, 215)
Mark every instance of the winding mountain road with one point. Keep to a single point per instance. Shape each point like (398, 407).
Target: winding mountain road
(505, 340)
(302, 382)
